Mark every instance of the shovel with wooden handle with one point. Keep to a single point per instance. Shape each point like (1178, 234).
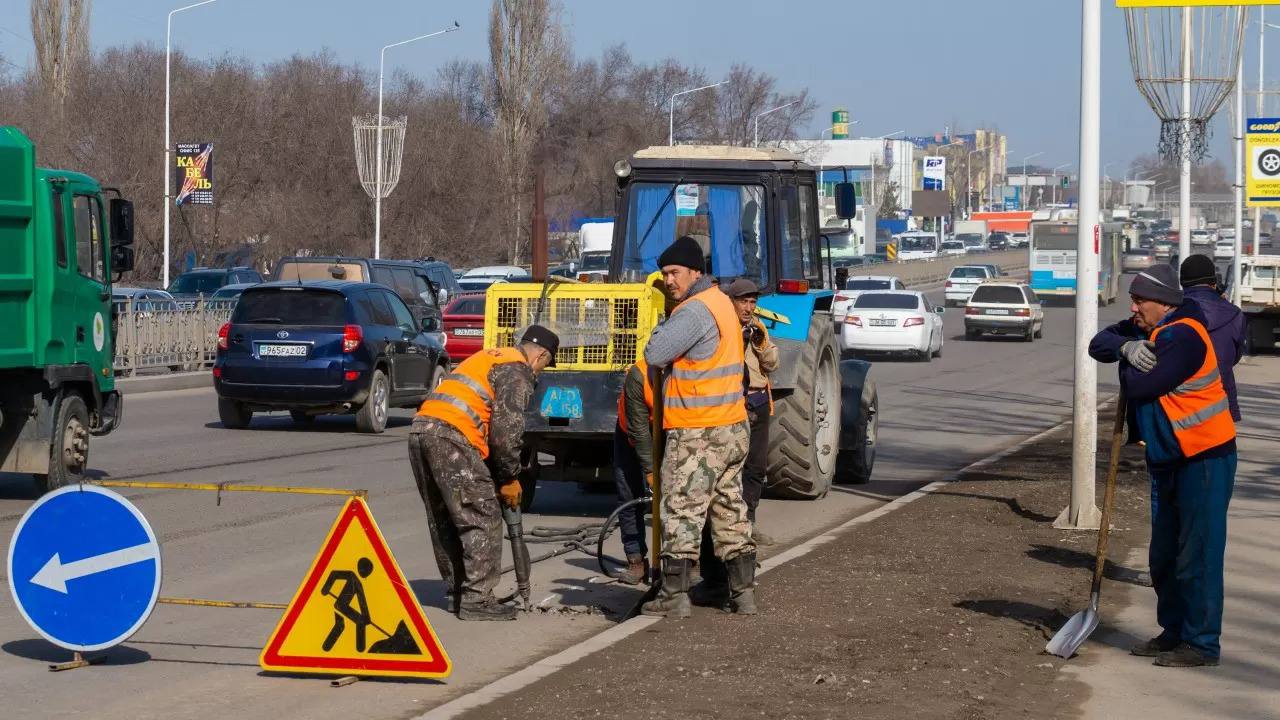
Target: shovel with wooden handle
(1082, 624)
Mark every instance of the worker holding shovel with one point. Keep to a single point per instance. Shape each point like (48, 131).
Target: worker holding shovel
(1178, 407)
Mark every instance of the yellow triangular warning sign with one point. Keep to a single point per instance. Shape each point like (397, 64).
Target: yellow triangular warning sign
(354, 612)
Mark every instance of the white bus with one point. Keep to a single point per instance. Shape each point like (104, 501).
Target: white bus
(1052, 261)
(916, 245)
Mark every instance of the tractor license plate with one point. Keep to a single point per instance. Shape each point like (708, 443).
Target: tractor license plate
(562, 402)
(282, 350)
(469, 332)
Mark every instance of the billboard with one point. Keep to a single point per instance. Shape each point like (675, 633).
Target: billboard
(1262, 154)
(194, 179)
(935, 172)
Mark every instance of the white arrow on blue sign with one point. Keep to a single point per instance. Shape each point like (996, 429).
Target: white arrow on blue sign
(84, 568)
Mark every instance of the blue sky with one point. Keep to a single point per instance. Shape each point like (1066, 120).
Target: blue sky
(914, 65)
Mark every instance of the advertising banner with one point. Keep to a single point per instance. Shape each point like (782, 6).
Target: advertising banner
(194, 179)
(935, 172)
(1262, 156)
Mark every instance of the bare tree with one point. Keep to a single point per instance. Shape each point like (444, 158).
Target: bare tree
(527, 52)
(60, 32)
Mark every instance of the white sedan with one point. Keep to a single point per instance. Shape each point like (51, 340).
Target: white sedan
(855, 286)
(893, 322)
(1224, 249)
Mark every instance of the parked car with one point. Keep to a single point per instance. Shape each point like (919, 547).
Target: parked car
(1137, 260)
(1203, 237)
(997, 241)
(142, 302)
(855, 286)
(442, 277)
(1224, 249)
(464, 326)
(962, 281)
(1163, 249)
(1019, 239)
(894, 322)
(1003, 307)
(953, 247)
(409, 279)
(325, 346)
(510, 273)
(229, 293)
(203, 282)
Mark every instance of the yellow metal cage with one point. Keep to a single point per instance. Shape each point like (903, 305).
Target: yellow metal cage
(602, 326)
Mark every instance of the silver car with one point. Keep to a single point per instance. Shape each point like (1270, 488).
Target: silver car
(1137, 260)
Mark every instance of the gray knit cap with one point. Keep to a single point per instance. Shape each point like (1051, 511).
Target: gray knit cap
(1158, 282)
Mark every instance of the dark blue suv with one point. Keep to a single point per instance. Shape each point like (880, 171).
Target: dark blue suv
(320, 347)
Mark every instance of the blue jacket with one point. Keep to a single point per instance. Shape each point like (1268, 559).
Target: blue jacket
(1179, 355)
(1226, 326)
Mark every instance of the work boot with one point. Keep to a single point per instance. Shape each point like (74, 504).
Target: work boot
(1184, 656)
(742, 584)
(1154, 646)
(486, 610)
(637, 570)
(673, 596)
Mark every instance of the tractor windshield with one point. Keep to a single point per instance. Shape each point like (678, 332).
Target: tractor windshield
(727, 220)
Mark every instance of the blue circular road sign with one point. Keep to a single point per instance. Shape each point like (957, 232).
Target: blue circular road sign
(84, 568)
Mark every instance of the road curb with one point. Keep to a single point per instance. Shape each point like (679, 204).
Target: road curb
(544, 667)
(158, 383)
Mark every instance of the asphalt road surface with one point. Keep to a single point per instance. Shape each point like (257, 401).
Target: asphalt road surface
(194, 662)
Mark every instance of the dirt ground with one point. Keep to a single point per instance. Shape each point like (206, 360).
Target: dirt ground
(938, 610)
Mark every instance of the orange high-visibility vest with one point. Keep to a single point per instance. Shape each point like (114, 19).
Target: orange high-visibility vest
(708, 393)
(465, 398)
(1198, 409)
(643, 367)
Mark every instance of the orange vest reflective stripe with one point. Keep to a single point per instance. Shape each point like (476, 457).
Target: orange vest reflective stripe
(643, 367)
(708, 393)
(1198, 409)
(465, 398)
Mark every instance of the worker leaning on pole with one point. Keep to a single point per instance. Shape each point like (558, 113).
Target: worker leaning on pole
(705, 420)
(1169, 372)
(466, 437)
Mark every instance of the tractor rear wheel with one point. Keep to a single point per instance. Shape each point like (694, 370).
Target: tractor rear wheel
(804, 433)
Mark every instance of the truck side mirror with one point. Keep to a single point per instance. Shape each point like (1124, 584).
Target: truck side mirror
(842, 276)
(121, 258)
(846, 201)
(121, 225)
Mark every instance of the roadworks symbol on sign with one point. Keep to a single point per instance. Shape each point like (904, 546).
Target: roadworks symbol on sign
(354, 612)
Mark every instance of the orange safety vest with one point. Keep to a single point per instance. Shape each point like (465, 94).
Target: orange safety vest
(1198, 409)
(708, 393)
(465, 398)
(643, 367)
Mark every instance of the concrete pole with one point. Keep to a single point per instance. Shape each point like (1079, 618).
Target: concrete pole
(1184, 145)
(377, 186)
(1238, 145)
(1262, 42)
(1082, 513)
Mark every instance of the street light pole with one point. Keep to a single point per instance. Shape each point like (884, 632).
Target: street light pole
(1262, 42)
(671, 113)
(968, 181)
(377, 195)
(1026, 185)
(756, 138)
(1237, 143)
(168, 142)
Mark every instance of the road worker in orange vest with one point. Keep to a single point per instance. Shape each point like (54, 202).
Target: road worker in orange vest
(1179, 408)
(466, 437)
(705, 419)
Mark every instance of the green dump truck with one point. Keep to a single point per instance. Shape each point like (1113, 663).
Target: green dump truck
(59, 246)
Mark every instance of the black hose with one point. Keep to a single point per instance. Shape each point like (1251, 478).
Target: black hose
(578, 538)
(607, 529)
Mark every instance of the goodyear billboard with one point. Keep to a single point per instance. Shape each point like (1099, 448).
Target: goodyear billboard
(1262, 162)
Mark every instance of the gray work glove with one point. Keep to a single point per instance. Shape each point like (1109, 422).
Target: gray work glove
(1140, 354)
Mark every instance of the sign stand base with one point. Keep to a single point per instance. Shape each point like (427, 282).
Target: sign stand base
(344, 681)
(77, 661)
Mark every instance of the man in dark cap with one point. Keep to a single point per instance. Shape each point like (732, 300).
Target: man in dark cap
(705, 420)
(1179, 409)
(466, 437)
(1225, 321)
(761, 359)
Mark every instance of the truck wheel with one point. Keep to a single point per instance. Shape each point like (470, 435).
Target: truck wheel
(372, 416)
(234, 415)
(804, 432)
(854, 466)
(69, 447)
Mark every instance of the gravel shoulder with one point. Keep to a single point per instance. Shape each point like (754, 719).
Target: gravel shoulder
(939, 609)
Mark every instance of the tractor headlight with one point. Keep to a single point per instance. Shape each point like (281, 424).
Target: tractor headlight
(622, 168)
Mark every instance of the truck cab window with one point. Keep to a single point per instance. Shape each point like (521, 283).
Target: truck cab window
(59, 228)
(89, 260)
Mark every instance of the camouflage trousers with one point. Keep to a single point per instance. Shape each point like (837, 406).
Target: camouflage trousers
(463, 514)
(702, 484)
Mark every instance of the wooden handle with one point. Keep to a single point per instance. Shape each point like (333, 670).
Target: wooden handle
(1109, 494)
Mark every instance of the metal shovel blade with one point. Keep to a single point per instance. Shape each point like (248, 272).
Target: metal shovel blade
(1076, 631)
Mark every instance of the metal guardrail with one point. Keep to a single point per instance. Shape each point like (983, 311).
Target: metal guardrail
(163, 334)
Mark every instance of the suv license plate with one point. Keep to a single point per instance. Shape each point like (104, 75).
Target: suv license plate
(282, 350)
